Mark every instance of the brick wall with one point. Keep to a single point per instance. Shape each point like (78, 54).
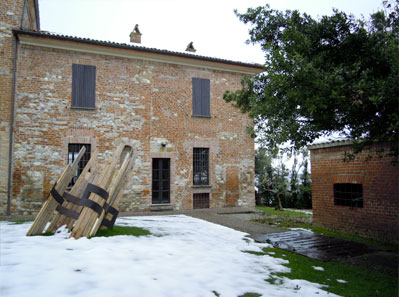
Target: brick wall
(378, 218)
(142, 102)
(10, 18)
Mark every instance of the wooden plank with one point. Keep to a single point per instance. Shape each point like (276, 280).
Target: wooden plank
(88, 217)
(50, 204)
(116, 186)
(77, 190)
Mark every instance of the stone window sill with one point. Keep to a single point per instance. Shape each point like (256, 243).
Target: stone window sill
(83, 108)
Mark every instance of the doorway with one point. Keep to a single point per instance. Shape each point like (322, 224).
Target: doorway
(160, 181)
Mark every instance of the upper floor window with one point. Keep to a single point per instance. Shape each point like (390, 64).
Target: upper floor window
(348, 195)
(201, 97)
(201, 166)
(83, 86)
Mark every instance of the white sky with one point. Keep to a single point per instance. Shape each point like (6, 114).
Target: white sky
(172, 24)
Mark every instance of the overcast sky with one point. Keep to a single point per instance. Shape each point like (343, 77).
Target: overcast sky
(172, 24)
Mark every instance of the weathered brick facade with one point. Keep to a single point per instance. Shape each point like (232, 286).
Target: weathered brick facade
(379, 216)
(142, 97)
(12, 16)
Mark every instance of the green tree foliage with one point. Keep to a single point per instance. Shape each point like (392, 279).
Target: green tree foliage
(279, 187)
(334, 74)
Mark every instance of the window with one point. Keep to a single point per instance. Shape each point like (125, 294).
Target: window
(201, 166)
(73, 151)
(200, 200)
(348, 195)
(201, 97)
(83, 86)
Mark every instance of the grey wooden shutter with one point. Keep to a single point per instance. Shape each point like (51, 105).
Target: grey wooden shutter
(205, 97)
(201, 97)
(83, 86)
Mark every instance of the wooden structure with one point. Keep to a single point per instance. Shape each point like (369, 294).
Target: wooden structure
(94, 198)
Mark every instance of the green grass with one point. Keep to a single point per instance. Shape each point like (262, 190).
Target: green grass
(18, 222)
(360, 282)
(122, 230)
(283, 213)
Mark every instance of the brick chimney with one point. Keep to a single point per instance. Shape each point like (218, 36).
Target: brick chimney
(135, 36)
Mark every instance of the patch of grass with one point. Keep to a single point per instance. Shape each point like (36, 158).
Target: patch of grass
(359, 281)
(46, 234)
(18, 222)
(283, 213)
(250, 295)
(122, 230)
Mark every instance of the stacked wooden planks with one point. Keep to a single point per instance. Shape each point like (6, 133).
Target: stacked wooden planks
(93, 200)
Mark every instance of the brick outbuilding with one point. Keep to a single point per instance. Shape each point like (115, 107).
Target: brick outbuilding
(358, 196)
(59, 93)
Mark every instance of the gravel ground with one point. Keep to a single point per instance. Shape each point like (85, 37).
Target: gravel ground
(238, 218)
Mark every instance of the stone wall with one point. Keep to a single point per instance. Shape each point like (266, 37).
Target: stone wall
(378, 218)
(145, 103)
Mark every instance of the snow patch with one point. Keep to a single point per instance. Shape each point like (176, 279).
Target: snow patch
(184, 256)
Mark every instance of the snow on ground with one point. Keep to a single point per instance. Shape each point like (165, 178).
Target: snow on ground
(318, 268)
(341, 281)
(307, 211)
(183, 257)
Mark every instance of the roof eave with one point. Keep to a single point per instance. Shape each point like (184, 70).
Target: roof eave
(330, 144)
(125, 50)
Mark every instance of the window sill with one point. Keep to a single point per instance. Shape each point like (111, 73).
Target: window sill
(83, 108)
(201, 186)
(201, 116)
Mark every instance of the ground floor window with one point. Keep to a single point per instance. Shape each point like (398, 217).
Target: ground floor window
(200, 200)
(73, 151)
(200, 166)
(348, 195)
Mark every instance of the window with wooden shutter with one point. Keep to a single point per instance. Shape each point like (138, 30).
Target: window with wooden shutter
(83, 86)
(201, 97)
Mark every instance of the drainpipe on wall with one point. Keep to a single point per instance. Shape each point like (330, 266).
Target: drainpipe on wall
(13, 83)
(10, 161)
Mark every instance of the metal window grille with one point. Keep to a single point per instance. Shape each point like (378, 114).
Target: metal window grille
(73, 151)
(201, 166)
(348, 195)
(200, 200)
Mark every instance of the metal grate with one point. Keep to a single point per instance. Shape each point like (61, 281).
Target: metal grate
(73, 151)
(348, 195)
(201, 166)
(200, 200)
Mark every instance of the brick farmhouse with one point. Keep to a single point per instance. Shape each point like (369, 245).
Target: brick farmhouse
(59, 93)
(359, 196)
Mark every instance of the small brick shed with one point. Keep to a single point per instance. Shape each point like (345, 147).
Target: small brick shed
(358, 196)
